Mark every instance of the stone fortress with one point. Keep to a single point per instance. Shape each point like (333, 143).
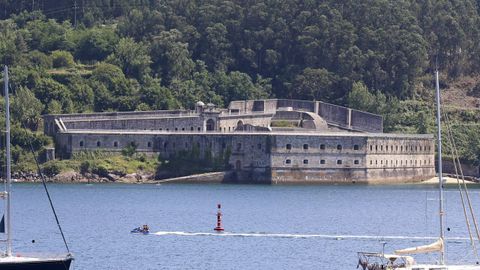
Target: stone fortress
(264, 141)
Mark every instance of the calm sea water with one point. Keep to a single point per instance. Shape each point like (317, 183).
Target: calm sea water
(97, 220)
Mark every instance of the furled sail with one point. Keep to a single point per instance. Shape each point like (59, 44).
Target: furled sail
(433, 247)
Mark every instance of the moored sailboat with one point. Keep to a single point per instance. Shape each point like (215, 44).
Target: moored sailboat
(9, 260)
(400, 260)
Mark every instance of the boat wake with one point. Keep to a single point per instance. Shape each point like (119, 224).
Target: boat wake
(321, 236)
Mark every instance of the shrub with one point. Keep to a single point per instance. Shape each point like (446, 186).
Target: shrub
(85, 167)
(130, 149)
(52, 168)
(100, 170)
(62, 59)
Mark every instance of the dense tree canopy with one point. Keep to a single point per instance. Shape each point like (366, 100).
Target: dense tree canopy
(107, 55)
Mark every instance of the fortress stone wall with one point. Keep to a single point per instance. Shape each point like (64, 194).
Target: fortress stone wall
(319, 143)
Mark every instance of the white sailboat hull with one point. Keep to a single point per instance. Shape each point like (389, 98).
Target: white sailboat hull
(439, 267)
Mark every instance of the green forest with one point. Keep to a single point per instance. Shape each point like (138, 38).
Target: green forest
(118, 55)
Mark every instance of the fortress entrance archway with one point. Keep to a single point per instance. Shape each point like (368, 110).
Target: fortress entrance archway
(210, 125)
(239, 125)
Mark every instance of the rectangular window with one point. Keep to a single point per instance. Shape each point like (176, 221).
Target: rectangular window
(322, 161)
(288, 161)
(339, 162)
(322, 146)
(356, 147)
(289, 147)
(305, 161)
(356, 162)
(305, 147)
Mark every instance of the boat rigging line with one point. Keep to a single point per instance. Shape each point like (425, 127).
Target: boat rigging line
(42, 177)
(459, 172)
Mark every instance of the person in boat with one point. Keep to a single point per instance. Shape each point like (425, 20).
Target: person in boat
(145, 228)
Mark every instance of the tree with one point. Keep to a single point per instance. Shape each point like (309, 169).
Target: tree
(62, 59)
(318, 84)
(140, 24)
(171, 57)
(54, 107)
(156, 96)
(48, 90)
(82, 94)
(131, 57)
(112, 90)
(47, 36)
(239, 86)
(95, 43)
(360, 98)
(26, 108)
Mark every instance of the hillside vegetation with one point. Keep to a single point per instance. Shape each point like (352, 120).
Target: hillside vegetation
(121, 55)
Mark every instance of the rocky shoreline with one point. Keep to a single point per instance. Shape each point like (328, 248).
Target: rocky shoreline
(149, 178)
(76, 177)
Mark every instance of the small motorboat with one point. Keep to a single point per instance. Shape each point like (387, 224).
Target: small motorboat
(144, 230)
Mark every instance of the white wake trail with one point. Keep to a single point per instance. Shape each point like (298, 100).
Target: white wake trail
(321, 236)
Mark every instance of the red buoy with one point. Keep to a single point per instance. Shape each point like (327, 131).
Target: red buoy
(219, 227)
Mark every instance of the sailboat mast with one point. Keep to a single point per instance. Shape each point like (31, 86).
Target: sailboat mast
(440, 177)
(8, 227)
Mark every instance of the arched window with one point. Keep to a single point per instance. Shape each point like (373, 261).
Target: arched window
(240, 124)
(305, 147)
(356, 147)
(238, 165)
(115, 144)
(288, 146)
(149, 144)
(81, 143)
(322, 146)
(99, 144)
(339, 147)
(210, 125)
